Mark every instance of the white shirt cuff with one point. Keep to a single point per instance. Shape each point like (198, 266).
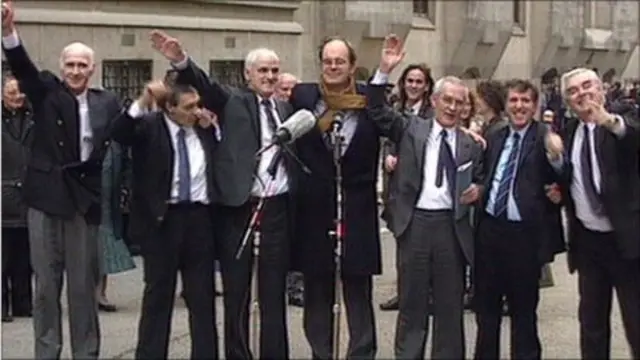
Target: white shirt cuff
(620, 128)
(135, 110)
(380, 78)
(181, 65)
(217, 132)
(11, 41)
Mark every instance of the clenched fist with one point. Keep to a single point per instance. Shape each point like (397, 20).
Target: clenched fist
(390, 163)
(154, 94)
(554, 146)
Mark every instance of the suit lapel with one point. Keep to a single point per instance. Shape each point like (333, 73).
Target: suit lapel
(572, 126)
(528, 143)
(251, 102)
(423, 130)
(463, 148)
(495, 151)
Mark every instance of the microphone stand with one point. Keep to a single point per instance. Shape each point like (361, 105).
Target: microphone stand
(254, 229)
(337, 234)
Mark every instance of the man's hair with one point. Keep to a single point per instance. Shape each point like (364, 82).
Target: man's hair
(260, 53)
(493, 94)
(79, 48)
(522, 86)
(352, 52)
(564, 79)
(175, 92)
(453, 80)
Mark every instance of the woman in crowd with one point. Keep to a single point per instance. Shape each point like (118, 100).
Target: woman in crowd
(115, 257)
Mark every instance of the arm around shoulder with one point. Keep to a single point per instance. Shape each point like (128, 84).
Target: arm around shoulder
(390, 123)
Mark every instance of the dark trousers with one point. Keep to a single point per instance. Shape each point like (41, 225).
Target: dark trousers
(273, 264)
(17, 291)
(319, 293)
(507, 265)
(601, 269)
(183, 243)
(431, 262)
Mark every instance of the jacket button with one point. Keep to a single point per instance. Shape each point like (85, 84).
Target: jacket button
(60, 143)
(59, 122)
(18, 184)
(160, 218)
(106, 143)
(83, 175)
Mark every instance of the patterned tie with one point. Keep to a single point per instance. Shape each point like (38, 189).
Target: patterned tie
(500, 205)
(184, 169)
(446, 163)
(271, 120)
(586, 166)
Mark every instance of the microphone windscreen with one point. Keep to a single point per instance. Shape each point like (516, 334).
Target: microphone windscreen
(300, 123)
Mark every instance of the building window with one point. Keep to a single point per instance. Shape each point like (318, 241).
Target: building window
(603, 14)
(425, 9)
(519, 14)
(126, 78)
(227, 72)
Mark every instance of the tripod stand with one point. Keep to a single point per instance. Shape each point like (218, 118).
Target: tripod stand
(337, 234)
(254, 229)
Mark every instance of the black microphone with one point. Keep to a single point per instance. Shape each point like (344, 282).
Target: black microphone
(298, 124)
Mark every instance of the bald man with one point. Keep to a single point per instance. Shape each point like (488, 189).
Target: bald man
(62, 189)
(285, 84)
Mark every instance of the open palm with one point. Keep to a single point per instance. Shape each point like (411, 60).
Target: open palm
(392, 52)
(168, 46)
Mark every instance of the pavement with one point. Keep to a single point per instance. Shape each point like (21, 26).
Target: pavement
(558, 323)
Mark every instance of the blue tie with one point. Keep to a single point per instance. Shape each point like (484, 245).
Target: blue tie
(184, 170)
(500, 205)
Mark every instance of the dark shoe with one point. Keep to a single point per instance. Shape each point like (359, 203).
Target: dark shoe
(7, 318)
(391, 304)
(23, 314)
(107, 307)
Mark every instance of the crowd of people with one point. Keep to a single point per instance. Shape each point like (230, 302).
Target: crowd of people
(476, 184)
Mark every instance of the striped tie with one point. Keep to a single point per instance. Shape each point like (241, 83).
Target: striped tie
(500, 205)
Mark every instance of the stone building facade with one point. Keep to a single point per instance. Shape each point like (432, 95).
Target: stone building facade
(476, 39)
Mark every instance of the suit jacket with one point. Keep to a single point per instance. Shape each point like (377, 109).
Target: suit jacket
(57, 182)
(239, 119)
(533, 173)
(410, 134)
(316, 196)
(152, 164)
(620, 187)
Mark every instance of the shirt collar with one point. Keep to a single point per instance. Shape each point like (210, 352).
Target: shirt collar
(522, 131)
(437, 129)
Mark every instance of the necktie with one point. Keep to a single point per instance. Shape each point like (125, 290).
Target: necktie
(184, 170)
(446, 163)
(271, 120)
(586, 166)
(500, 205)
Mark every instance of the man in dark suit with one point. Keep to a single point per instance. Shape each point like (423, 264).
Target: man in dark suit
(337, 96)
(601, 186)
(438, 178)
(17, 124)
(512, 241)
(62, 189)
(172, 193)
(248, 119)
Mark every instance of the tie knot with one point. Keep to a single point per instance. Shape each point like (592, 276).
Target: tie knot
(516, 136)
(266, 103)
(444, 134)
(182, 132)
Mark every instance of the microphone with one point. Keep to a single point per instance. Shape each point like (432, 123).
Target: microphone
(298, 124)
(338, 120)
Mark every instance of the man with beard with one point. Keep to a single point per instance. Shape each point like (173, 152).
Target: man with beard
(248, 119)
(62, 189)
(337, 96)
(16, 267)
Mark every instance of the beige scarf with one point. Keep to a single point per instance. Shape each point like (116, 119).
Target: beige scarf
(347, 99)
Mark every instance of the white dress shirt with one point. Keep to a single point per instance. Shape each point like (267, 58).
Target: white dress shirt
(584, 212)
(195, 152)
(433, 197)
(349, 124)
(263, 186)
(85, 131)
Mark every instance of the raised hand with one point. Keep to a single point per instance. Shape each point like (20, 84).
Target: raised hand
(154, 93)
(392, 53)
(554, 145)
(168, 46)
(8, 25)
